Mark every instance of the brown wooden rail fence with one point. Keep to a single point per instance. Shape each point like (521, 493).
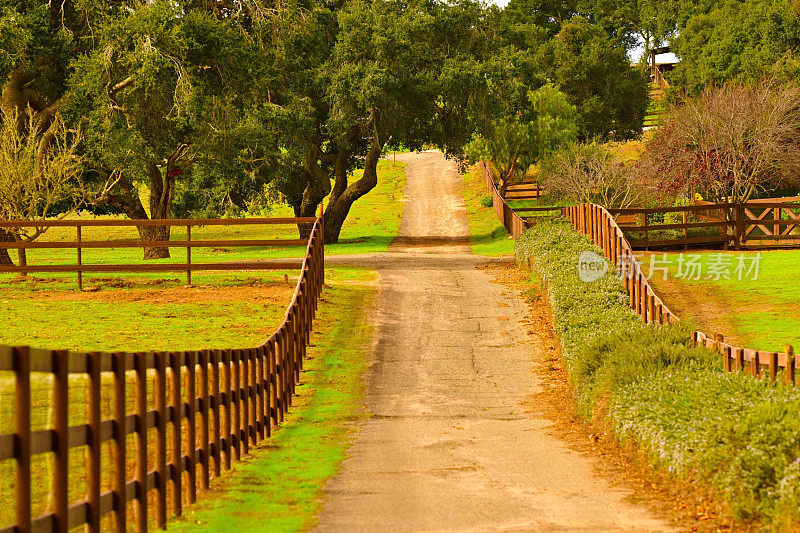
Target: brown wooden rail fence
(79, 244)
(596, 222)
(511, 220)
(203, 411)
(600, 225)
(758, 224)
(756, 362)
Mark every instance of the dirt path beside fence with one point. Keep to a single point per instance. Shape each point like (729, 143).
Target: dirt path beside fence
(451, 442)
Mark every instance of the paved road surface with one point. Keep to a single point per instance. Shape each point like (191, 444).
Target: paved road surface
(451, 446)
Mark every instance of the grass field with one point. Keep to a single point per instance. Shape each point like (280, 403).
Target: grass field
(761, 313)
(144, 319)
(278, 487)
(221, 310)
(487, 235)
(373, 223)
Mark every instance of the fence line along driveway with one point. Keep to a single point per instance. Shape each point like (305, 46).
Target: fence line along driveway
(602, 227)
(202, 412)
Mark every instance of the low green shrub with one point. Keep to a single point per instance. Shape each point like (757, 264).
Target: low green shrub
(487, 201)
(674, 401)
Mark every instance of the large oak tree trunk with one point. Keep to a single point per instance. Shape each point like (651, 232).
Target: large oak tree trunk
(344, 195)
(126, 198)
(5, 258)
(317, 188)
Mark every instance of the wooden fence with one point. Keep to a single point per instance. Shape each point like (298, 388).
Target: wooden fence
(209, 405)
(756, 362)
(511, 220)
(599, 225)
(757, 224)
(79, 244)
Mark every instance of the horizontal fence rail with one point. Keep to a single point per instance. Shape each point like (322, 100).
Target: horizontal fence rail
(194, 413)
(599, 225)
(79, 244)
(756, 224)
(756, 362)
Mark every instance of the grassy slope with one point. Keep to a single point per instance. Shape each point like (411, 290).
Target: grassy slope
(764, 311)
(487, 234)
(740, 434)
(373, 222)
(278, 487)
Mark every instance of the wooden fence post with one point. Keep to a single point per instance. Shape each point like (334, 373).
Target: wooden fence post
(718, 340)
(755, 364)
(189, 255)
(741, 236)
(227, 418)
(191, 427)
(789, 375)
(217, 432)
(161, 438)
(60, 407)
(80, 256)
(140, 475)
(94, 451)
(205, 460)
(773, 366)
(740, 359)
(119, 458)
(175, 365)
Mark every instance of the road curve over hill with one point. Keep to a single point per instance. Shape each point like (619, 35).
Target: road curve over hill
(450, 445)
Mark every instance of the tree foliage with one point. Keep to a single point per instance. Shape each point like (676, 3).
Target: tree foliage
(588, 173)
(513, 144)
(730, 143)
(39, 174)
(210, 107)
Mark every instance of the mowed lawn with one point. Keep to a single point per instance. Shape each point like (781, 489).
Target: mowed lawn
(487, 236)
(371, 226)
(150, 312)
(760, 312)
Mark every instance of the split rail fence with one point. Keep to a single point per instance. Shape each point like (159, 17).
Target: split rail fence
(203, 411)
(79, 245)
(511, 220)
(601, 226)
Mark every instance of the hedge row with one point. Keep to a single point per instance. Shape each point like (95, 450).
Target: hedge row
(672, 400)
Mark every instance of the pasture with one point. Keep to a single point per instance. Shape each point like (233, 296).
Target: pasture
(760, 312)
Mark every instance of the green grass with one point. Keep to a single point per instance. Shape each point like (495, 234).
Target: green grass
(184, 319)
(740, 434)
(144, 319)
(372, 224)
(487, 235)
(278, 487)
(763, 311)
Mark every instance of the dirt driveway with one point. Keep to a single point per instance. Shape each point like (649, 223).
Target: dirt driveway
(450, 445)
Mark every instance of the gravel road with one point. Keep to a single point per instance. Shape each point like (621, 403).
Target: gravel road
(450, 445)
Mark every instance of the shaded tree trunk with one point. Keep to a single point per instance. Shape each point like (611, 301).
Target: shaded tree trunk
(317, 188)
(127, 199)
(162, 190)
(343, 195)
(5, 258)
